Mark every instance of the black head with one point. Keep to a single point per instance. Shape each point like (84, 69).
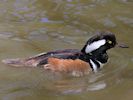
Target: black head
(100, 42)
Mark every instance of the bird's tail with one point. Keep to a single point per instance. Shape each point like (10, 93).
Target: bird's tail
(20, 62)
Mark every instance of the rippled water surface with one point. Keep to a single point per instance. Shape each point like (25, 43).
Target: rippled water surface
(29, 27)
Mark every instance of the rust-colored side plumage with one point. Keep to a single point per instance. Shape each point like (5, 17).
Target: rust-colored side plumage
(76, 67)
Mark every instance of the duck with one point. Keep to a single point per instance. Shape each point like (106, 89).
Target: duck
(76, 62)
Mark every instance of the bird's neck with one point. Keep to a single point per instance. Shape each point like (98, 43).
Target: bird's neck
(96, 60)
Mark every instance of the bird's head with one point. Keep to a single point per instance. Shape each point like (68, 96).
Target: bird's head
(101, 42)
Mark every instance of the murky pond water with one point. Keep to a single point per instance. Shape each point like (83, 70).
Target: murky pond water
(29, 27)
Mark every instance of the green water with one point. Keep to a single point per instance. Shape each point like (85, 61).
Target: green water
(29, 27)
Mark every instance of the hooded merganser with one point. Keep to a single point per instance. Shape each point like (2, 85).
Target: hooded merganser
(77, 62)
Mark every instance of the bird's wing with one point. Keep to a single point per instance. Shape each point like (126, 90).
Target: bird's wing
(42, 58)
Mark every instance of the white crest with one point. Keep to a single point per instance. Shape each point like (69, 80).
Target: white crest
(95, 45)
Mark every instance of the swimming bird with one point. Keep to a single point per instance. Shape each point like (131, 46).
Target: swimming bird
(90, 58)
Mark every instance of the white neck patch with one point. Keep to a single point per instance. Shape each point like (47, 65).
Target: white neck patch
(93, 65)
(95, 45)
(101, 64)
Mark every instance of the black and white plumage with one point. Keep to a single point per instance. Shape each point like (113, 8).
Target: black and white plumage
(78, 62)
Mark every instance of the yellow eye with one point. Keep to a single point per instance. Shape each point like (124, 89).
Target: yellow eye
(110, 42)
